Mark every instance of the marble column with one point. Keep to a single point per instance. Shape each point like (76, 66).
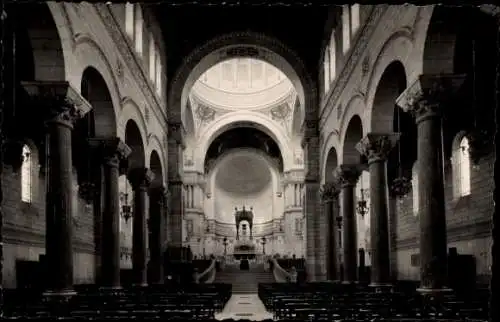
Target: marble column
(329, 194)
(140, 179)
(348, 175)
(426, 99)
(114, 153)
(376, 147)
(60, 105)
(175, 183)
(156, 224)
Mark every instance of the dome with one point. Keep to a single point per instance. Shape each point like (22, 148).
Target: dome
(242, 83)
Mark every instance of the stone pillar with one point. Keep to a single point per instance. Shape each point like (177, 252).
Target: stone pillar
(426, 99)
(156, 224)
(348, 175)
(376, 148)
(140, 179)
(329, 195)
(175, 183)
(61, 106)
(114, 153)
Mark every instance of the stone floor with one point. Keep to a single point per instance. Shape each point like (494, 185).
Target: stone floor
(244, 306)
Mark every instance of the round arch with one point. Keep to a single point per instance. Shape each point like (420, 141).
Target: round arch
(330, 165)
(332, 142)
(230, 120)
(134, 140)
(40, 19)
(130, 111)
(88, 51)
(353, 134)
(239, 44)
(391, 84)
(399, 47)
(156, 167)
(155, 147)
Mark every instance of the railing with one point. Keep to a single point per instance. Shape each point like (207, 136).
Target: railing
(207, 276)
(280, 275)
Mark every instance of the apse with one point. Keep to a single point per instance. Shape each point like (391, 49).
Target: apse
(244, 178)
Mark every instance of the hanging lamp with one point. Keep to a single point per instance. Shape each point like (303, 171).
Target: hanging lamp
(401, 185)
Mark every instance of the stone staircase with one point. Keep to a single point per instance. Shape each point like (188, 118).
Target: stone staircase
(244, 281)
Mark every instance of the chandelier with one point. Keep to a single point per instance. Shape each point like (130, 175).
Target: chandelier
(126, 209)
(362, 204)
(401, 185)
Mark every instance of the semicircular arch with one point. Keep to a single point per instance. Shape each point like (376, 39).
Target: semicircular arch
(130, 111)
(231, 120)
(241, 44)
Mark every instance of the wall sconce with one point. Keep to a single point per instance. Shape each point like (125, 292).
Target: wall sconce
(209, 195)
(279, 194)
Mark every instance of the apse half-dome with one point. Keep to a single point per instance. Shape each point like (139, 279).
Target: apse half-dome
(243, 175)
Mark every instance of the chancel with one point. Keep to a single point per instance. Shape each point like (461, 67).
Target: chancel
(234, 162)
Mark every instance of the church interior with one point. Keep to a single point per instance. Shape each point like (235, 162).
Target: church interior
(236, 162)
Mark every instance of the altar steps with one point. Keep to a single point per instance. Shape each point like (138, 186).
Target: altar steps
(244, 282)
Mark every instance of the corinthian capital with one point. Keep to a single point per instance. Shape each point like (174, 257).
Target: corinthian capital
(376, 146)
(330, 190)
(59, 101)
(348, 174)
(426, 95)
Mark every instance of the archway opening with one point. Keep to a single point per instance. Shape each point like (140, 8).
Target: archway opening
(331, 165)
(134, 140)
(353, 135)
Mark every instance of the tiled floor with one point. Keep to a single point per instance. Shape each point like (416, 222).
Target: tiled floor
(244, 306)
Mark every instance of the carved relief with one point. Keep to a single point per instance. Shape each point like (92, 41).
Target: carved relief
(119, 69)
(339, 112)
(365, 66)
(280, 112)
(205, 113)
(242, 52)
(146, 114)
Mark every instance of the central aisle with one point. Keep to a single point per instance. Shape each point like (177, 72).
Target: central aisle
(244, 306)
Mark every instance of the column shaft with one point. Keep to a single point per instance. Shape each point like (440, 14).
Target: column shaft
(349, 234)
(156, 241)
(140, 179)
(331, 244)
(348, 176)
(113, 151)
(433, 243)
(379, 225)
(59, 221)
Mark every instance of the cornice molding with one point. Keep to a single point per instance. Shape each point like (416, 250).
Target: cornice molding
(354, 56)
(128, 55)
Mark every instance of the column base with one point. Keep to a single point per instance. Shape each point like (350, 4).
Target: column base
(380, 287)
(111, 290)
(431, 291)
(59, 296)
(350, 282)
(140, 285)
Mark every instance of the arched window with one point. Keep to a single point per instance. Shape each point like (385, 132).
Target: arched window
(346, 29)
(152, 58)
(326, 69)
(129, 20)
(414, 184)
(332, 56)
(138, 30)
(26, 172)
(354, 18)
(461, 167)
(158, 73)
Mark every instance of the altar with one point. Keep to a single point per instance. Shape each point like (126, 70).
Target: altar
(244, 247)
